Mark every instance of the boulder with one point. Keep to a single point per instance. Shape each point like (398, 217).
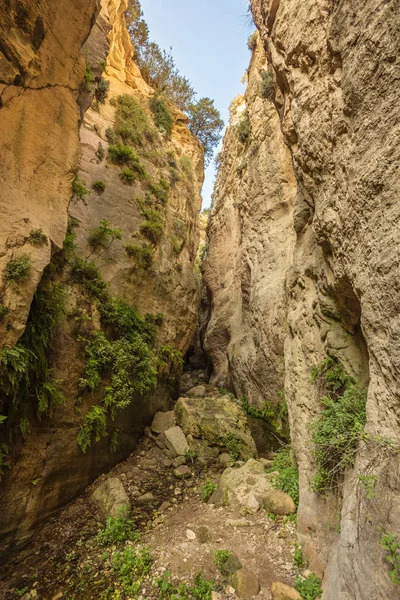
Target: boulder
(212, 419)
(245, 583)
(218, 498)
(281, 591)
(201, 448)
(203, 534)
(110, 497)
(175, 441)
(225, 460)
(231, 565)
(197, 392)
(250, 486)
(146, 498)
(163, 421)
(182, 472)
(178, 461)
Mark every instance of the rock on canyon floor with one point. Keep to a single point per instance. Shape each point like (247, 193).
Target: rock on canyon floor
(183, 533)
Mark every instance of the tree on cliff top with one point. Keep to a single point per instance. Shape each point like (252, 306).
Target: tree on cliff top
(205, 122)
(159, 70)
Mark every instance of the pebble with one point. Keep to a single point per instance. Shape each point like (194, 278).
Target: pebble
(146, 498)
(182, 472)
(190, 534)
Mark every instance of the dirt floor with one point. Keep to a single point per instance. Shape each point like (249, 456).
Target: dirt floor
(65, 560)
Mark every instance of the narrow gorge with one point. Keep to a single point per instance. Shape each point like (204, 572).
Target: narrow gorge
(199, 405)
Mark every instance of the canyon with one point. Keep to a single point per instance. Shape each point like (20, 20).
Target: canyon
(289, 312)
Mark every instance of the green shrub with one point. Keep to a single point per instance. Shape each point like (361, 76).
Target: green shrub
(252, 41)
(87, 274)
(298, 557)
(103, 235)
(233, 444)
(48, 398)
(186, 165)
(88, 78)
(94, 427)
(121, 154)
(79, 190)
(152, 227)
(177, 245)
(310, 587)
(112, 136)
(267, 87)
(160, 190)
(18, 268)
(288, 478)
(243, 129)
(127, 363)
(142, 254)
(390, 543)
(337, 430)
(153, 231)
(170, 364)
(38, 238)
(132, 124)
(128, 175)
(131, 566)
(118, 529)
(201, 590)
(25, 376)
(162, 115)
(220, 558)
(99, 186)
(207, 490)
(101, 91)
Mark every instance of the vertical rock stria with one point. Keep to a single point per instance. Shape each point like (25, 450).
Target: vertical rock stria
(332, 76)
(153, 274)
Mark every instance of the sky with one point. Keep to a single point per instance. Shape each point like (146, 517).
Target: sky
(209, 46)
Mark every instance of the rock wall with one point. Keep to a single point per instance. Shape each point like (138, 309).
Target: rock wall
(335, 68)
(48, 468)
(41, 73)
(249, 250)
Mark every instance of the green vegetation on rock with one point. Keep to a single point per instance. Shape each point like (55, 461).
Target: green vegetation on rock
(309, 587)
(233, 444)
(244, 129)
(288, 478)
(162, 114)
(118, 530)
(143, 254)
(26, 379)
(338, 428)
(38, 238)
(18, 268)
(207, 490)
(391, 544)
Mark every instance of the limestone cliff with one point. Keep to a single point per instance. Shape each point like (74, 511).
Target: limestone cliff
(150, 203)
(41, 72)
(333, 69)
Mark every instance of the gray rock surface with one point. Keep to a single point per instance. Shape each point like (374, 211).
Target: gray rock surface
(110, 498)
(175, 441)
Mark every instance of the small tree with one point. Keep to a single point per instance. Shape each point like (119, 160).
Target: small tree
(205, 122)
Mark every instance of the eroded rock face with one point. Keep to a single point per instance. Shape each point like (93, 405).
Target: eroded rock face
(336, 101)
(50, 456)
(249, 249)
(39, 114)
